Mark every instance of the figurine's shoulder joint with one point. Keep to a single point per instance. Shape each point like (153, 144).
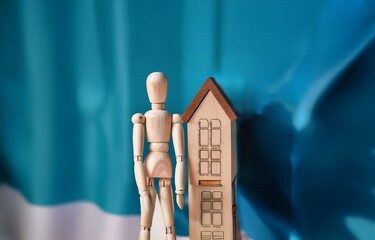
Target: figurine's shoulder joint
(176, 118)
(138, 118)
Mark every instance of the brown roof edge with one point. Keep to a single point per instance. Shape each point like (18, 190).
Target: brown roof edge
(210, 85)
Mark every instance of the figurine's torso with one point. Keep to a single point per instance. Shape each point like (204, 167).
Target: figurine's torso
(157, 164)
(158, 133)
(158, 126)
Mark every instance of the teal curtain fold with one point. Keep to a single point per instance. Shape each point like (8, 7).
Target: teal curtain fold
(300, 74)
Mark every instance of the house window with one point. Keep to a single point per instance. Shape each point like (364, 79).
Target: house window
(203, 167)
(203, 154)
(215, 132)
(215, 123)
(215, 137)
(208, 235)
(209, 147)
(203, 132)
(211, 209)
(215, 167)
(215, 154)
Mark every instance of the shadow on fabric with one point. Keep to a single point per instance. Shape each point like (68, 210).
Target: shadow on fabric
(265, 142)
(334, 178)
(317, 183)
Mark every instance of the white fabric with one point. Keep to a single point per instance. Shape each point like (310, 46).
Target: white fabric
(20, 220)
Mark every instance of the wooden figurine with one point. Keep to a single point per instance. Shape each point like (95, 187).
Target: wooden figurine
(212, 165)
(159, 126)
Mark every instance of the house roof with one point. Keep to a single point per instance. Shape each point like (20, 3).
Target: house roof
(209, 85)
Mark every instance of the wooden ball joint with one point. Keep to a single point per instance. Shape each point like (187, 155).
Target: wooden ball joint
(212, 161)
(158, 125)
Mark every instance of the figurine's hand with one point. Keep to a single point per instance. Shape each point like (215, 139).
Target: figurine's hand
(180, 200)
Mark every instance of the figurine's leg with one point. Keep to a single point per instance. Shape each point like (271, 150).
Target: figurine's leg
(147, 210)
(166, 203)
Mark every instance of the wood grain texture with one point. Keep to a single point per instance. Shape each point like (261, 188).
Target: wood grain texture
(157, 164)
(158, 126)
(157, 87)
(212, 165)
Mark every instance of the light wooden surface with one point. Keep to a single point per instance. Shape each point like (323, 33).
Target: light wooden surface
(178, 143)
(157, 87)
(158, 229)
(211, 165)
(213, 141)
(157, 164)
(138, 142)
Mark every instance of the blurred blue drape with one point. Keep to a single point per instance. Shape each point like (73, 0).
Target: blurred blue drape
(300, 73)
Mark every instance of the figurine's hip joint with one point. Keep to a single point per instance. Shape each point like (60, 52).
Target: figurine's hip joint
(164, 182)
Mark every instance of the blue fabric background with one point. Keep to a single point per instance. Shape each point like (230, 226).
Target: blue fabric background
(300, 73)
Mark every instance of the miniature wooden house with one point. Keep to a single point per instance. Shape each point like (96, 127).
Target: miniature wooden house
(211, 165)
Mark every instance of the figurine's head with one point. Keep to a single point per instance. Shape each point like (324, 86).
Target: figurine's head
(157, 87)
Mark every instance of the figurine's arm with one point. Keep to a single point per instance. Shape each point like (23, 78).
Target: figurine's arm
(178, 143)
(138, 142)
